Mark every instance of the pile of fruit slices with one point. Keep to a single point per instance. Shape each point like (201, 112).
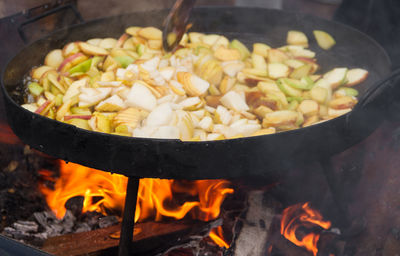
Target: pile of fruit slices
(210, 88)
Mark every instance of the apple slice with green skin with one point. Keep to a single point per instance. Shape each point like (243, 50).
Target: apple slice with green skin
(297, 38)
(304, 84)
(278, 70)
(356, 76)
(124, 61)
(82, 67)
(336, 77)
(35, 89)
(71, 61)
(236, 44)
(324, 40)
(300, 51)
(287, 89)
(345, 91)
(91, 49)
(261, 49)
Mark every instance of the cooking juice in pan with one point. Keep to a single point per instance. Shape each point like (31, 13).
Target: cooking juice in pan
(210, 88)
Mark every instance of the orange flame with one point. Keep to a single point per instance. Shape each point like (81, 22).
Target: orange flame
(299, 215)
(103, 192)
(217, 236)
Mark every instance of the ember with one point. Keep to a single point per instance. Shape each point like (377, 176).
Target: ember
(301, 215)
(104, 192)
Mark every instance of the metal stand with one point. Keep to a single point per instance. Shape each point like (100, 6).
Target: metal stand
(128, 221)
(336, 192)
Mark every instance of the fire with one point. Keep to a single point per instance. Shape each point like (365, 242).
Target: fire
(104, 192)
(301, 215)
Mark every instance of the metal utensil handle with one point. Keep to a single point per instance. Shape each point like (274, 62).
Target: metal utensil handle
(58, 6)
(176, 22)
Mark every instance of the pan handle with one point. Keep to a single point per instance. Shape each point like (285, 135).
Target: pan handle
(386, 90)
(375, 103)
(37, 13)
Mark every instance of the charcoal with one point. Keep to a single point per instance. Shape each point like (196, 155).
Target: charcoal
(26, 226)
(44, 218)
(82, 227)
(108, 221)
(68, 222)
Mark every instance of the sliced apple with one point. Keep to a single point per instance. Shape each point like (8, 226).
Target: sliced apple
(277, 56)
(108, 43)
(193, 85)
(195, 37)
(336, 77)
(70, 49)
(319, 94)
(91, 49)
(232, 68)
(111, 104)
(344, 102)
(255, 72)
(225, 54)
(133, 31)
(278, 70)
(309, 108)
(84, 117)
(191, 103)
(74, 89)
(160, 116)
(150, 33)
(293, 63)
(356, 76)
(287, 89)
(332, 113)
(91, 96)
(258, 62)
(140, 96)
(94, 41)
(121, 40)
(301, 72)
(261, 49)
(297, 38)
(71, 61)
(324, 40)
(206, 124)
(300, 51)
(280, 118)
(37, 73)
(234, 101)
(54, 58)
(244, 51)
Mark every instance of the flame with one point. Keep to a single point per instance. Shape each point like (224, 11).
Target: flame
(157, 199)
(300, 215)
(217, 236)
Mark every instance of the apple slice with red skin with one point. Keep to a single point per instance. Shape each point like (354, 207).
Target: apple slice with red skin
(121, 40)
(71, 61)
(42, 107)
(85, 117)
(356, 76)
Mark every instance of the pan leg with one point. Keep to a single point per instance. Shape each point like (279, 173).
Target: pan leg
(336, 192)
(128, 221)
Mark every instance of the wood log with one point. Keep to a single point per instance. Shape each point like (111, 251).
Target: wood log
(101, 239)
(252, 239)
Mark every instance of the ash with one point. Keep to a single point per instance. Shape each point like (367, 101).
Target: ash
(43, 225)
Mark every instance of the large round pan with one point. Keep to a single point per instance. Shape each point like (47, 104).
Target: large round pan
(256, 156)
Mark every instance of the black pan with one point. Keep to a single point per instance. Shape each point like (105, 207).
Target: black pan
(260, 156)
